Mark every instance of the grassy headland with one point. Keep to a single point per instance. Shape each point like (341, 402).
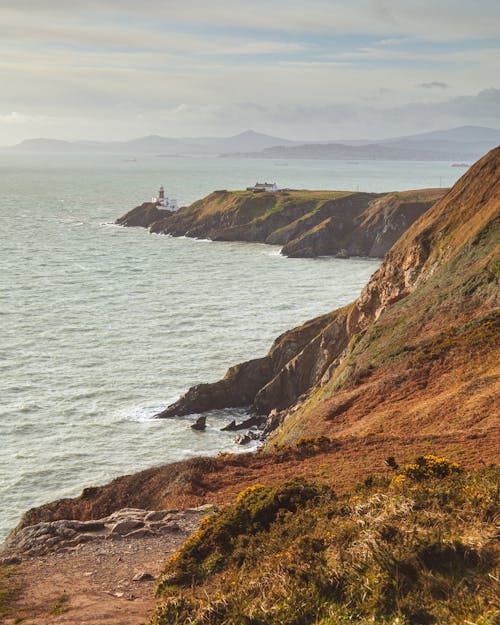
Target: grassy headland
(305, 223)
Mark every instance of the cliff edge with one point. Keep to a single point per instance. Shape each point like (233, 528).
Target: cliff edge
(416, 349)
(305, 223)
(410, 367)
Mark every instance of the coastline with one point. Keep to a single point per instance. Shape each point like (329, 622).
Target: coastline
(391, 374)
(307, 224)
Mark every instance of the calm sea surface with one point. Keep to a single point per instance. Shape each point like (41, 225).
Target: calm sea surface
(102, 326)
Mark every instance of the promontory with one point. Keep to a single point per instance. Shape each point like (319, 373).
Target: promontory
(305, 223)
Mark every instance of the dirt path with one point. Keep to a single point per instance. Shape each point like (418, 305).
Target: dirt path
(93, 583)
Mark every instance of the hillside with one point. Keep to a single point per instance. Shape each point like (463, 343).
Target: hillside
(305, 223)
(463, 143)
(384, 407)
(410, 367)
(412, 344)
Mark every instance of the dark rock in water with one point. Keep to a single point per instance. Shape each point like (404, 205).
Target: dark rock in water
(251, 435)
(242, 439)
(244, 425)
(237, 389)
(200, 425)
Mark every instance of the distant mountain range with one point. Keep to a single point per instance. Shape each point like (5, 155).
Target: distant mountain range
(246, 142)
(466, 143)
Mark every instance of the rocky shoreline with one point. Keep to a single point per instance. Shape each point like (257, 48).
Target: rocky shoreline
(307, 224)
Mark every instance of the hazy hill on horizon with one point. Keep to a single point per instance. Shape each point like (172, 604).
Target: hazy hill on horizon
(466, 143)
(247, 141)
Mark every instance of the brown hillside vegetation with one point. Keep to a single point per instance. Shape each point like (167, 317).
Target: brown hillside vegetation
(411, 367)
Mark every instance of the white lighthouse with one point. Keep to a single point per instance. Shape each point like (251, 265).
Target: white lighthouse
(165, 203)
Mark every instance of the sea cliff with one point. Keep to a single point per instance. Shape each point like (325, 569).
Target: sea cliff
(412, 364)
(305, 223)
(395, 395)
(430, 305)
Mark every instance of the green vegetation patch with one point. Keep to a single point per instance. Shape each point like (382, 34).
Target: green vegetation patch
(417, 549)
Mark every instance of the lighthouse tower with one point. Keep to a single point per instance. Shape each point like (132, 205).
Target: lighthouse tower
(165, 203)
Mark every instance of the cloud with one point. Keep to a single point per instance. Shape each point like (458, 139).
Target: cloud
(430, 19)
(195, 67)
(435, 84)
(17, 118)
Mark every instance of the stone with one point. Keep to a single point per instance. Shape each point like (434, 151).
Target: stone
(140, 533)
(88, 526)
(244, 425)
(200, 424)
(143, 576)
(242, 439)
(126, 526)
(207, 507)
(127, 513)
(169, 528)
(156, 515)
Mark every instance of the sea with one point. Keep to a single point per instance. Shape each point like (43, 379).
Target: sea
(103, 326)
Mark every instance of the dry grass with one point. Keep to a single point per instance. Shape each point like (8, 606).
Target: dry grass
(415, 550)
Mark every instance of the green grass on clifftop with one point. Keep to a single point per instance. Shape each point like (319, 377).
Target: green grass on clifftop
(415, 547)
(252, 206)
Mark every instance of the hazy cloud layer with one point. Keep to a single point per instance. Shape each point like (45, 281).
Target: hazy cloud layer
(113, 69)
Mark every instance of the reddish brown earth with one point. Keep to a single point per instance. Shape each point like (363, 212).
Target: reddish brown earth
(93, 583)
(97, 582)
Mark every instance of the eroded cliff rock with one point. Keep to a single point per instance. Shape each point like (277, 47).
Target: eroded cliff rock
(322, 354)
(306, 223)
(410, 367)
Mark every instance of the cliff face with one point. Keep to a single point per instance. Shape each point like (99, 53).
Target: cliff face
(410, 367)
(306, 223)
(422, 328)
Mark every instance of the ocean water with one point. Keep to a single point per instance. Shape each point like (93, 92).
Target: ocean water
(103, 326)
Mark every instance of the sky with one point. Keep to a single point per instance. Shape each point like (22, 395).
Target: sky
(321, 69)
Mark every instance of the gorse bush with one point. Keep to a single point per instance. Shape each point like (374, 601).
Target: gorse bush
(223, 537)
(418, 551)
(428, 466)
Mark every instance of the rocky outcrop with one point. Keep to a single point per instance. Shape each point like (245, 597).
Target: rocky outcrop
(306, 223)
(142, 216)
(127, 523)
(243, 383)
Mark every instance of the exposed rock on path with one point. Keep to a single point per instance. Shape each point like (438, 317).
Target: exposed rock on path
(99, 572)
(66, 535)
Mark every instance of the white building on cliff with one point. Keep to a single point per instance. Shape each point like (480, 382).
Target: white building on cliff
(263, 186)
(165, 203)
